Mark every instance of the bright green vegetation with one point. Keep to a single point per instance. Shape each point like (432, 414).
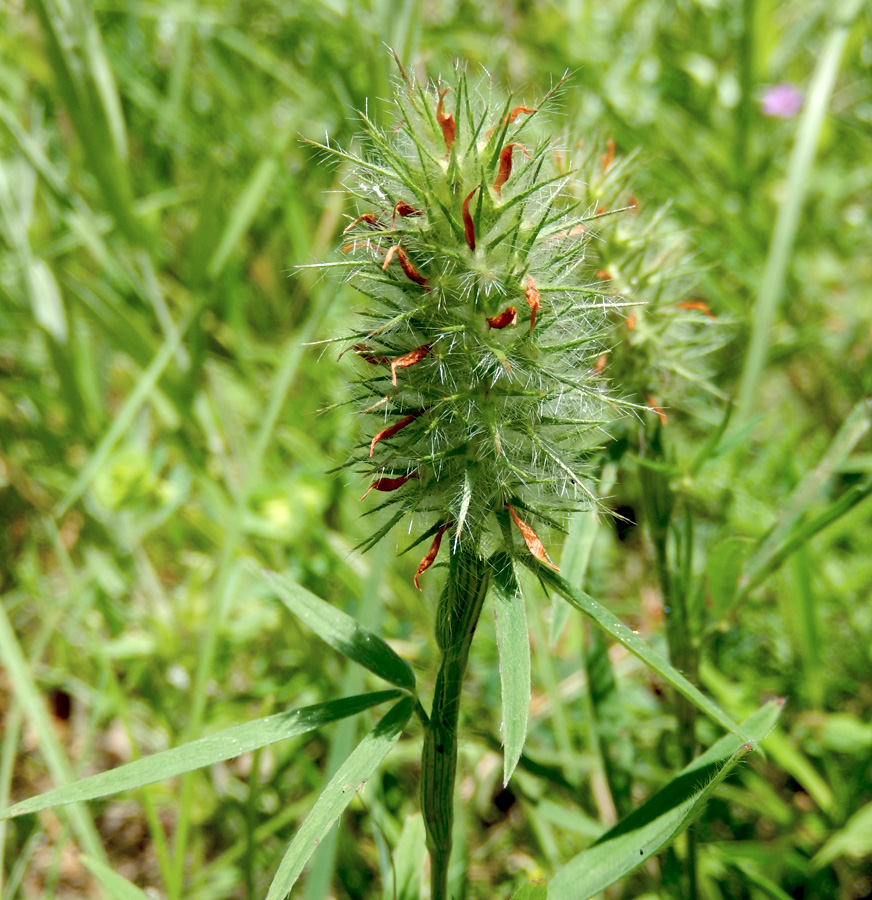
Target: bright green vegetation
(163, 423)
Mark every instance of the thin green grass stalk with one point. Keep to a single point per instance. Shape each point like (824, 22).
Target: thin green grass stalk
(787, 222)
(56, 760)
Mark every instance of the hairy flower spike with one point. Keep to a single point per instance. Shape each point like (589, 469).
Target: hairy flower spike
(487, 422)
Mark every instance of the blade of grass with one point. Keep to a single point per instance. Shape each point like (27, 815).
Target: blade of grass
(343, 736)
(115, 885)
(337, 795)
(810, 489)
(787, 221)
(513, 645)
(656, 823)
(629, 639)
(226, 744)
(340, 631)
(32, 701)
(128, 411)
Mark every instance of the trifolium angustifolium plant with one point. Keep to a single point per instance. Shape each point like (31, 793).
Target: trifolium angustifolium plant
(483, 317)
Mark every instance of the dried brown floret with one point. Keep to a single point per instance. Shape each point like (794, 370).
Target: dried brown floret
(391, 430)
(389, 484)
(532, 297)
(531, 539)
(468, 226)
(509, 316)
(408, 359)
(427, 561)
(411, 272)
(506, 165)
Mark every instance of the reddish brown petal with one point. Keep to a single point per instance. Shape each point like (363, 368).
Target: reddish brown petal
(576, 230)
(427, 561)
(468, 227)
(391, 430)
(411, 272)
(604, 275)
(600, 210)
(700, 305)
(634, 205)
(389, 484)
(404, 210)
(516, 112)
(366, 354)
(531, 539)
(631, 321)
(600, 364)
(356, 246)
(446, 121)
(408, 359)
(506, 166)
(660, 414)
(509, 316)
(532, 296)
(609, 155)
(369, 218)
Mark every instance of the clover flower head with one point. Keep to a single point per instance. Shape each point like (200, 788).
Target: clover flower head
(484, 320)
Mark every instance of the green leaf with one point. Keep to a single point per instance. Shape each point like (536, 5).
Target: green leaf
(116, 886)
(656, 823)
(223, 745)
(513, 644)
(341, 632)
(532, 890)
(629, 639)
(337, 795)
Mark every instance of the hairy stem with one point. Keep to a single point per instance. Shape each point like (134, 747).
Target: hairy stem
(457, 617)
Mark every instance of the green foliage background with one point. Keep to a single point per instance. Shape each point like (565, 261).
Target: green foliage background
(159, 422)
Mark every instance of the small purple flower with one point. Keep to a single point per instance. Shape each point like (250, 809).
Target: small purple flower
(783, 101)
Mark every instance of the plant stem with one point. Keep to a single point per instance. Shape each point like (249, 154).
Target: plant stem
(457, 617)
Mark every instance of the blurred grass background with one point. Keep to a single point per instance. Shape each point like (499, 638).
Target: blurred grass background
(159, 421)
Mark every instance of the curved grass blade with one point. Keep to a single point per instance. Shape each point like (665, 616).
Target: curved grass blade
(115, 885)
(513, 644)
(656, 823)
(337, 795)
(340, 631)
(217, 747)
(623, 635)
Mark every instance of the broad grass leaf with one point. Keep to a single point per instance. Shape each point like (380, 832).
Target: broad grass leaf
(532, 890)
(341, 632)
(513, 644)
(363, 761)
(619, 631)
(216, 747)
(656, 823)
